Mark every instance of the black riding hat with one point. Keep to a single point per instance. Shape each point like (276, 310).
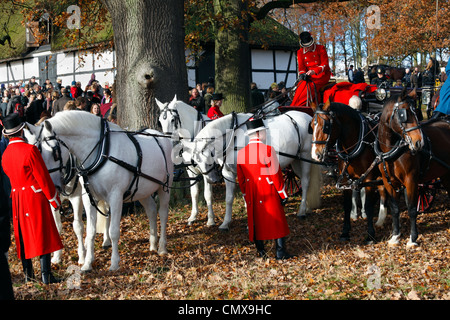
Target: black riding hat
(306, 40)
(217, 96)
(12, 124)
(255, 125)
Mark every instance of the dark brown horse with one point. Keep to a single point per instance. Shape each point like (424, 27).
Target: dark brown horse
(337, 124)
(411, 154)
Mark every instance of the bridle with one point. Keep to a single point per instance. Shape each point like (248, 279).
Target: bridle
(401, 116)
(67, 170)
(175, 115)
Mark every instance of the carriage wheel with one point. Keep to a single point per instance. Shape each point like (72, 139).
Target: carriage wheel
(426, 196)
(291, 182)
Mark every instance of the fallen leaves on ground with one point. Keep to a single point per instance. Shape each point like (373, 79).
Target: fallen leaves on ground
(205, 263)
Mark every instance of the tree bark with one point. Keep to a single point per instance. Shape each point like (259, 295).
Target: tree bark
(232, 56)
(149, 44)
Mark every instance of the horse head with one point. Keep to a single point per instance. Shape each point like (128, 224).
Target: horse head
(323, 131)
(400, 118)
(202, 153)
(168, 118)
(54, 155)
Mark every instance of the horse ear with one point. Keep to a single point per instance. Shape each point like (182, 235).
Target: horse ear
(174, 98)
(403, 95)
(413, 94)
(48, 125)
(160, 104)
(326, 105)
(313, 106)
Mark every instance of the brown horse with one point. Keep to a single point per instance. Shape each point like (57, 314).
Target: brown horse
(410, 154)
(340, 125)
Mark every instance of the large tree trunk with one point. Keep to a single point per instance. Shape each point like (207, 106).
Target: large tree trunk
(149, 43)
(232, 56)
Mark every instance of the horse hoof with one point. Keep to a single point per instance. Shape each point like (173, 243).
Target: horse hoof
(301, 217)
(106, 246)
(224, 229)
(344, 238)
(412, 245)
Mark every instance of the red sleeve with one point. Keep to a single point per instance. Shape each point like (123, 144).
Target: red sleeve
(42, 177)
(323, 63)
(301, 65)
(274, 173)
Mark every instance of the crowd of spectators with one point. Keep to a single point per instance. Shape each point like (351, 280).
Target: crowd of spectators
(34, 101)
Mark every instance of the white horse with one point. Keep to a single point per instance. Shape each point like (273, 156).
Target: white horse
(183, 121)
(77, 195)
(109, 158)
(219, 141)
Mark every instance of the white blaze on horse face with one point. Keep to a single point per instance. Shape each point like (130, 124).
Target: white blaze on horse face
(314, 150)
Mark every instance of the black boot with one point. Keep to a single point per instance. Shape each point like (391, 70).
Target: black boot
(281, 249)
(46, 270)
(27, 266)
(260, 248)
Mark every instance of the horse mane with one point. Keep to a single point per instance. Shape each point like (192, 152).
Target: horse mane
(342, 108)
(78, 121)
(221, 124)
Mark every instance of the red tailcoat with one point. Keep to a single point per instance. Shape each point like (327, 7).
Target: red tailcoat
(316, 60)
(214, 113)
(31, 191)
(261, 182)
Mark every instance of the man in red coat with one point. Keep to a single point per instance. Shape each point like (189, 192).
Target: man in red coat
(261, 182)
(31, 191)
(313, 69)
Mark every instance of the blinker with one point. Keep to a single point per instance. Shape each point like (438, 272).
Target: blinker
(327, 127)
(310, 129)
(402, 115)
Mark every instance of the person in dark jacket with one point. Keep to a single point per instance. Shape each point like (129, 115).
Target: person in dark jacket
(59, 104)
(197, 101)
(257, 97)
(6, 290)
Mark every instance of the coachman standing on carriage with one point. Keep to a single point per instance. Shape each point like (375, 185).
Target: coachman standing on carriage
(32, 190)
(313, 70)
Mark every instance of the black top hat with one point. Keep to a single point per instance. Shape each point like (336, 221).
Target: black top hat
(12, 124)
(217, 96)
(380, 70)
(306, 40)
(255, 125)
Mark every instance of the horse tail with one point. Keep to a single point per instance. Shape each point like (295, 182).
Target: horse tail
(315, 184)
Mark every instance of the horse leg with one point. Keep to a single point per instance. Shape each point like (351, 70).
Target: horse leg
(302, 170)
(103, 224)
(57, 216)
(363, 201)
(195, 191)
(91, 222)
(411, 196)
(149, 205)
(208, 194)
(345, 235)
(395, 211)
(230, 186)
(164, 198)
(115, 206)
(78, 225)
(369, 203)
(383, 206)
(354, 211)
